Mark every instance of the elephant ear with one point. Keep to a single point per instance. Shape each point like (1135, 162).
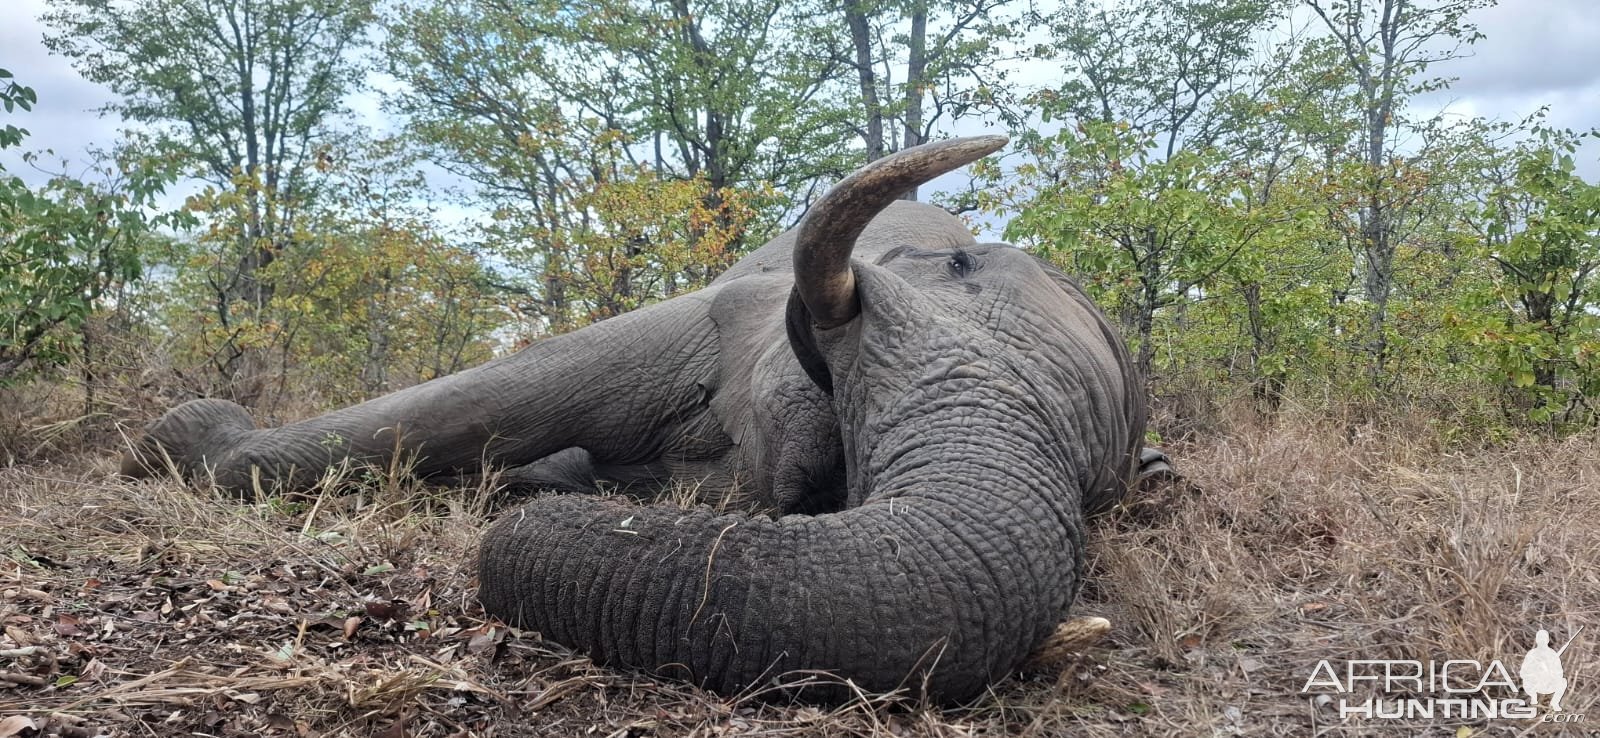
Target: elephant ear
(1114, 484)
(797, 322)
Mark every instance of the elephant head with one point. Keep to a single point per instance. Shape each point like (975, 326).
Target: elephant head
(984, 406)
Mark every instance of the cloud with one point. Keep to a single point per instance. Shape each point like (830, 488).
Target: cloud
(1531, 48)
(65, 120)
(1533, 54)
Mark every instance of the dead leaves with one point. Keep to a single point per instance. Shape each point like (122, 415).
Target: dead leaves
(255, 644)
(56, 724)
(14, 725)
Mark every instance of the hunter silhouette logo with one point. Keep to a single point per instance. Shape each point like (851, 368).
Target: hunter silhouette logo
(1388, 689)
(1542, 673)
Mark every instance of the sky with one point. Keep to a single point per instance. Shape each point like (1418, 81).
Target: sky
(1537, 52)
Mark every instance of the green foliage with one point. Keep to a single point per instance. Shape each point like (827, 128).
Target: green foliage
(1537, 315)
(1140, 230)
(240, 84)
(248, 91)
(507, 92)
(14, 97)
(1133, 192)
(585, 127)
(63, 248)
(914, 65)
(1250, 220)
(1160, 66)
(1385, 50)
(647, 238)
(368, 294)
(1211, 276)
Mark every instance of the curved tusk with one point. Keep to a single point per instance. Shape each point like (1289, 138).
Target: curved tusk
(1069, 639)
(828, 233)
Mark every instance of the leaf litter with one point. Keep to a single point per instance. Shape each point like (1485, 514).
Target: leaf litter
(152, 608)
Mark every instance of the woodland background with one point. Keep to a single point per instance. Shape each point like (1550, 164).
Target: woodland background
(1243, 184)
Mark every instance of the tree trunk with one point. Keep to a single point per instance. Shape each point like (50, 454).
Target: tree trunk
(1264, 387)
(375, 371)
(916, 74)
(1378, 281)
(1377, 237)
(1541, 311)
(90, 400)
(1150, 284)
(1376, 241)
(861, 39)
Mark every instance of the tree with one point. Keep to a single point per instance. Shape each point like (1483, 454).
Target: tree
(1133, 190)
(947, 51)
(1538, 224)
(64, 247)
(646, 239)
(542, 106)
(725, 87)
(247, 88)
(1387, 46)
(369, 294)
(1145, 233)
(372, 296)
(1170, 69)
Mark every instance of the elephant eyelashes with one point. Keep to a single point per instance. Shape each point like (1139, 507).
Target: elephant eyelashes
(962, 264)
(894, 253)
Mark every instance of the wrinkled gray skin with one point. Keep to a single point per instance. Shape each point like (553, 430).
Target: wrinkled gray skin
(951, 410)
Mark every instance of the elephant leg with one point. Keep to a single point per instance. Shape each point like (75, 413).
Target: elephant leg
(574, 471)
(1154, 465)
(569, 471)
(624, 390)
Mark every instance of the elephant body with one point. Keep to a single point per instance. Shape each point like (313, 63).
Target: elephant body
(914, 426)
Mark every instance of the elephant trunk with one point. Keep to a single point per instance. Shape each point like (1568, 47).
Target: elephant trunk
(828, 233)
(961, 556)
(960, 561)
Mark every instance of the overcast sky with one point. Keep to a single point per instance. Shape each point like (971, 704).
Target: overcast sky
(1537, 52)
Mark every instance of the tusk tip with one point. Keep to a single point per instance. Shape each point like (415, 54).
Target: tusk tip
(1070, 638)
(990, 143)
(963, 150)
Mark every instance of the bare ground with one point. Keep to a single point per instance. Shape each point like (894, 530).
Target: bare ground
(150, 609)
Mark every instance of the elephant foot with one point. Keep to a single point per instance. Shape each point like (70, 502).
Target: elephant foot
(1069, 639)
(1155, 466)
(182, 439)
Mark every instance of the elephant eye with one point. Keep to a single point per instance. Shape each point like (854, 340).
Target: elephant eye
(961, 264)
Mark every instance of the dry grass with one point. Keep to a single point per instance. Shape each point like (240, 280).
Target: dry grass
(148, 609)
(1300, 542)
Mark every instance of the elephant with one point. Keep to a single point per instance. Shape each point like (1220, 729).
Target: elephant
(915, 427)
